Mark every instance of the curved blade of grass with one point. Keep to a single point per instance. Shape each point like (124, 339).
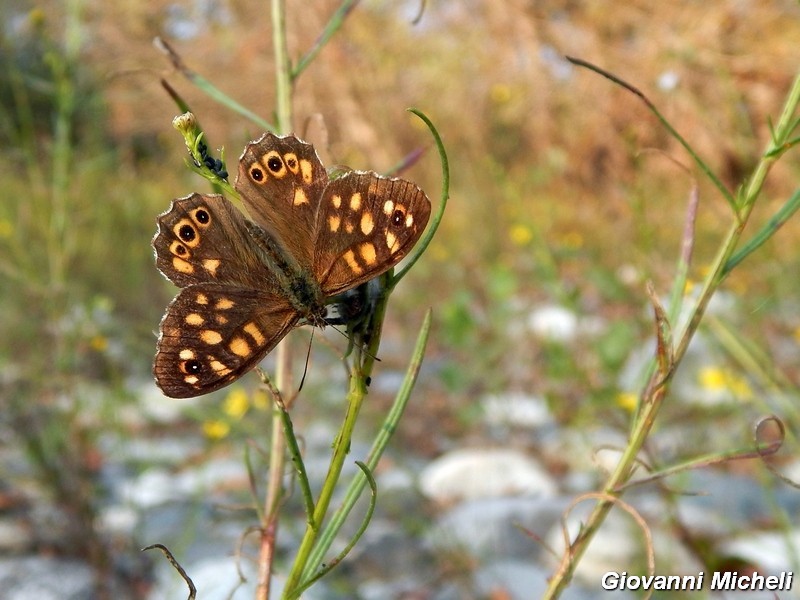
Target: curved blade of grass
(387, 429)
(357, 536)
(207, 87)
(759, 450)
(437, 217)
(673, 132)
(175, 565)
(766, 232)
(296, 456)
(334, 24)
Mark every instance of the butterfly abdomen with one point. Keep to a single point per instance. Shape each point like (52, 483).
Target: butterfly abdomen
(306, 296)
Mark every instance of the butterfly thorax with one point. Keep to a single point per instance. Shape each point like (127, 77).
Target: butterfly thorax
(303, 292)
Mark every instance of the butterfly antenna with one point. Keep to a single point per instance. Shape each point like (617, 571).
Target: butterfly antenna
(351, 343)
(308, 358)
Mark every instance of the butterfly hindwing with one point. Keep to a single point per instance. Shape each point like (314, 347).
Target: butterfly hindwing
(212, 334)
(366, 225)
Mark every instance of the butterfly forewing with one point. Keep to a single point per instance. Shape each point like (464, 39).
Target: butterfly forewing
(212, 334)
(366, 225)
(206, 239)
(281, 180)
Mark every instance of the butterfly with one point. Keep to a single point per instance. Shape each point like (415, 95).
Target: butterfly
(246, 283)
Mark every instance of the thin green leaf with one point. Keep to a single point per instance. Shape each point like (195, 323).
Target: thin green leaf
(445, 194)
(328, 567)
(207, 87)
(766, 232)
(787, 145)
(379, 445)
(334, 24)
(758, 450)
(299, 464)
(673, 132)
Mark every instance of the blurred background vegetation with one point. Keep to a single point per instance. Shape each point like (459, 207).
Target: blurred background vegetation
(565, 191)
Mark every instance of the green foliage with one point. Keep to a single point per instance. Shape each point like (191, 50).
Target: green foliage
(43, 81)
(71, 254)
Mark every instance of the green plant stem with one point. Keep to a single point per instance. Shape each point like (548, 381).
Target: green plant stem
(60, 241)
(278, 449)
(389, 426)
(658, 384)
(341, 447)
(275, 492)
(283, 69)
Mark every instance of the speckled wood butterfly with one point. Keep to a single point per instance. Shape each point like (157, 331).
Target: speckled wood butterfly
(246, 284)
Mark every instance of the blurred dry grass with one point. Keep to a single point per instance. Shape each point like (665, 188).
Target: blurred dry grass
(490, 73)
(518, 120)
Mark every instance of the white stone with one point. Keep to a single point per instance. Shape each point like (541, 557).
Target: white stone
(516, 409)
(44, 578)
(771, 551)
(496, 527)
(484, 472)
(554, 323)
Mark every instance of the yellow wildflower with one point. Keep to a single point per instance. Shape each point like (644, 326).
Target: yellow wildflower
(712, 378)
(216, 429)
(236, 403)
(716, 379)
(520, 235)
(627, 400)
